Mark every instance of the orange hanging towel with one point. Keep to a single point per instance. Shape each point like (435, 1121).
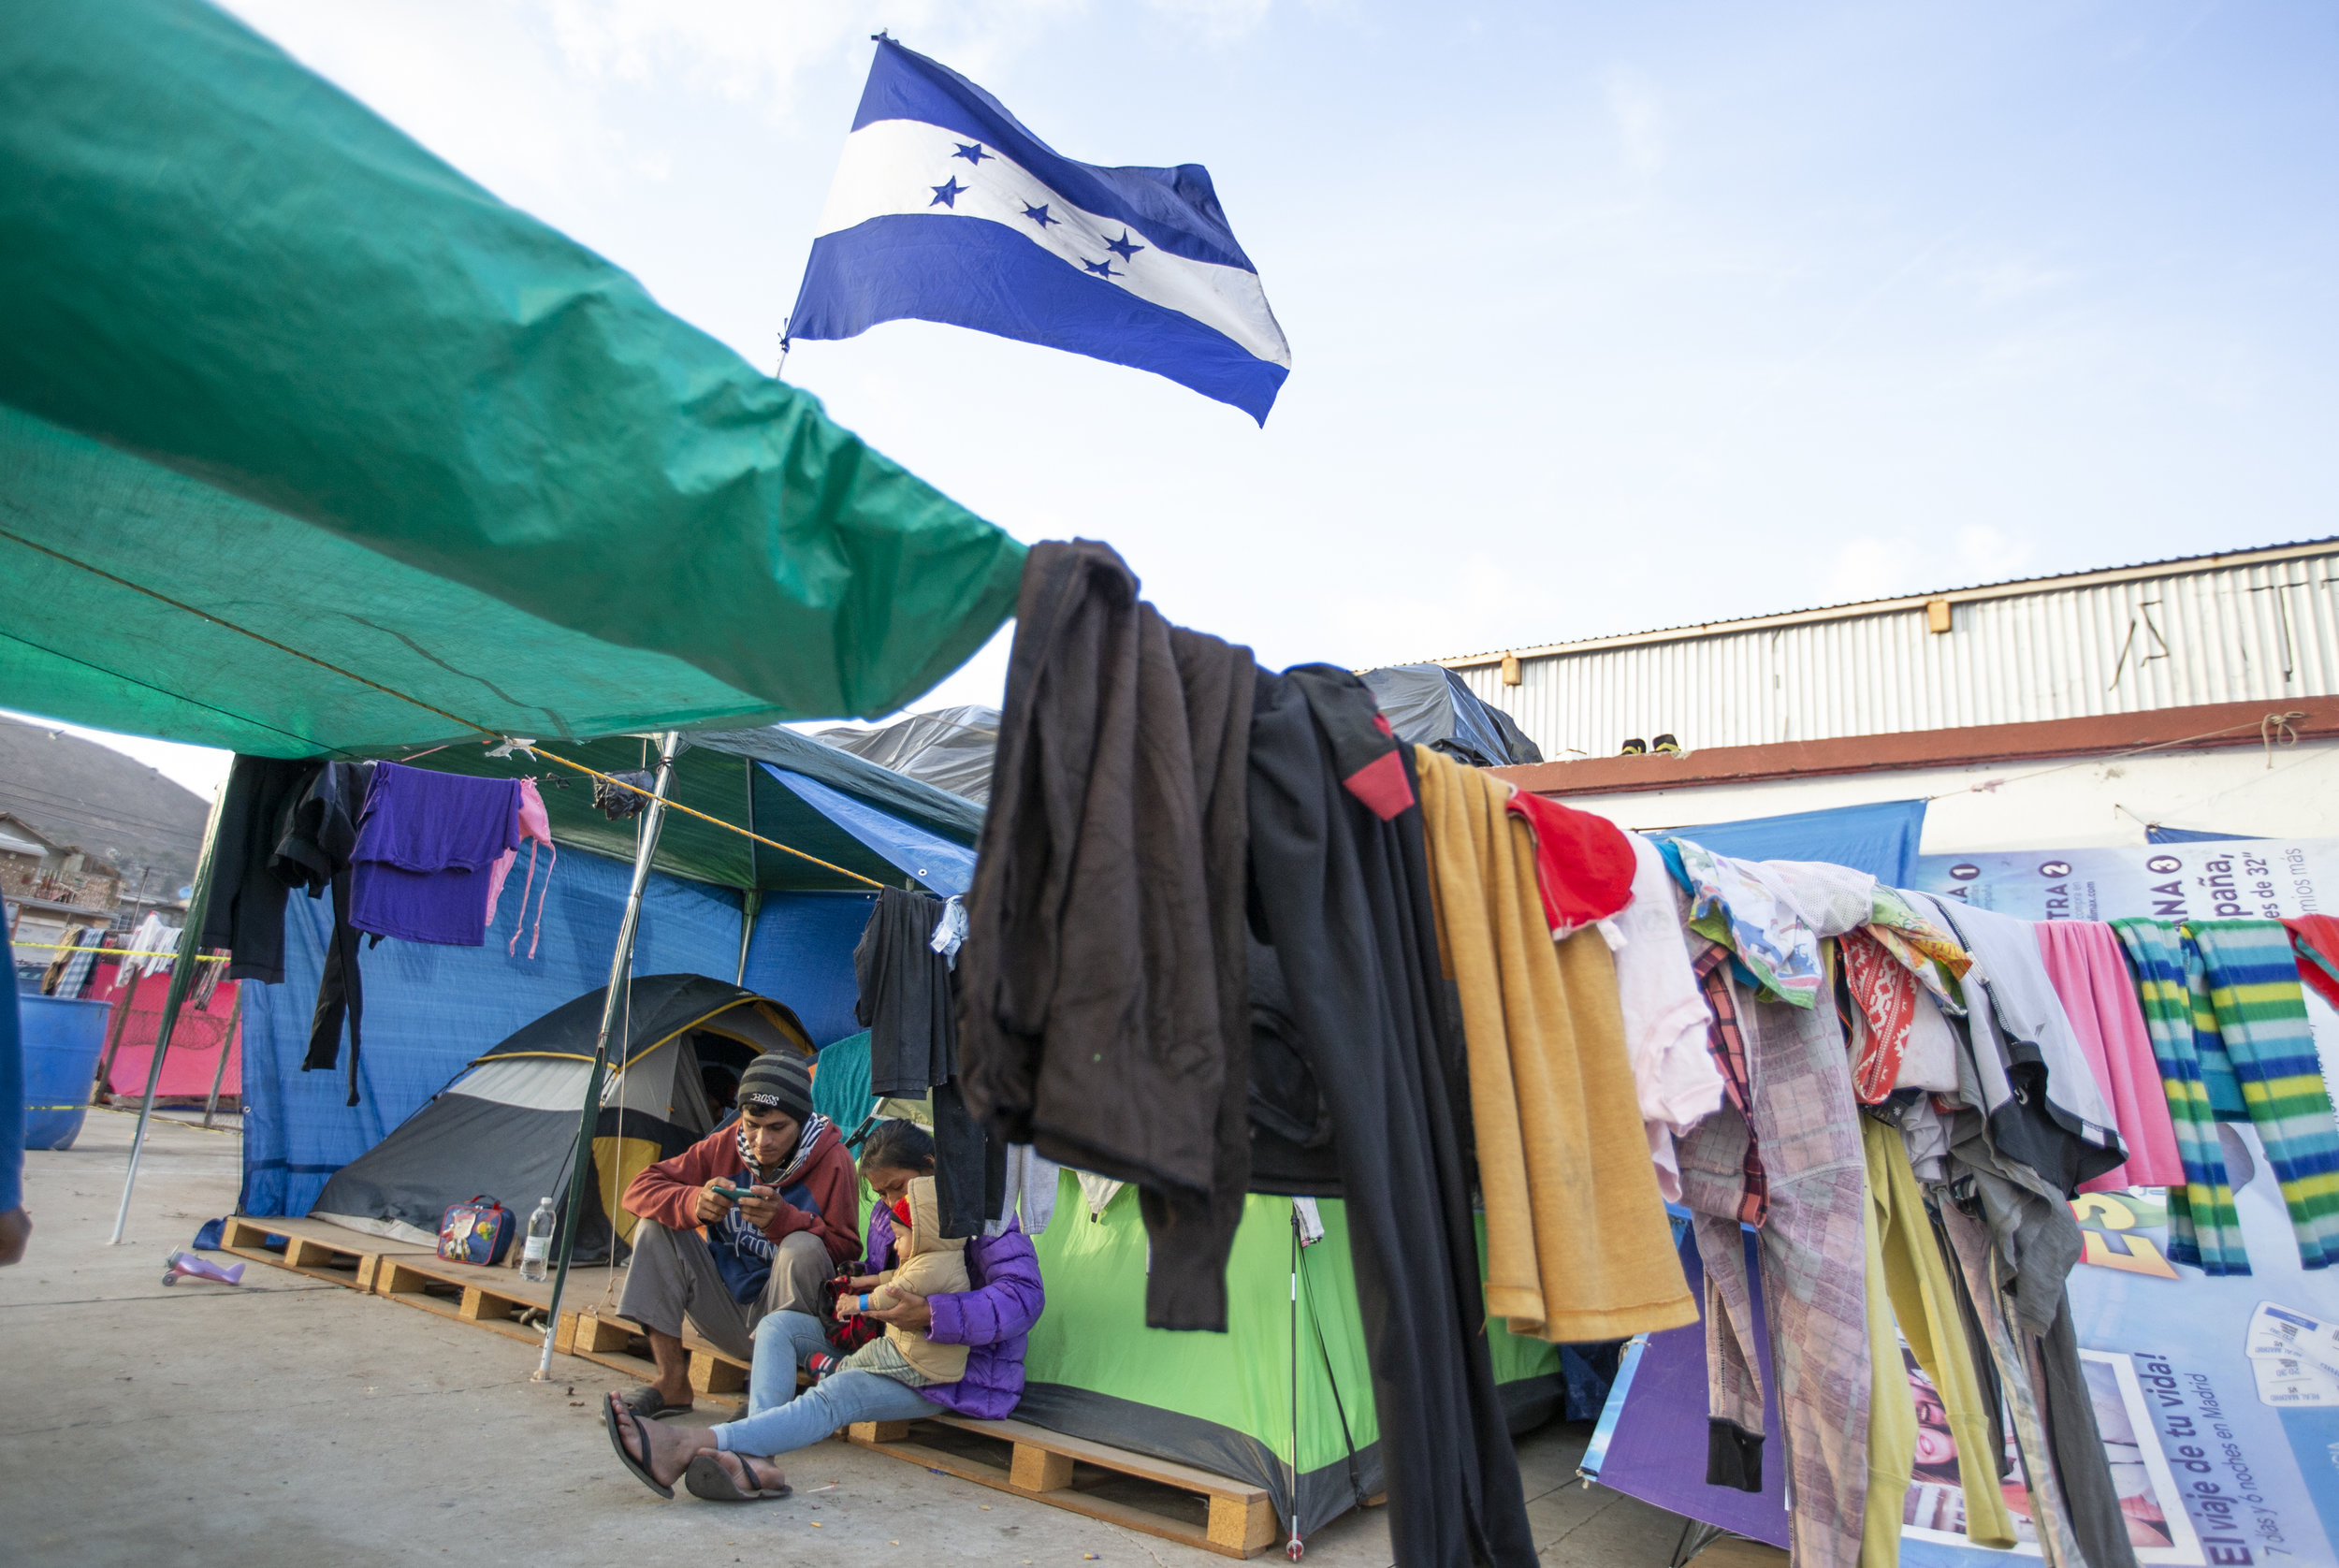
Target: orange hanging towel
(1577, 1244)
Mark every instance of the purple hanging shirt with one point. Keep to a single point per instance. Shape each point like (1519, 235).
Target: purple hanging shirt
(425, 845)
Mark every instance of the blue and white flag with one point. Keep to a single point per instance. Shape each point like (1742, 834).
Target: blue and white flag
(946, 209)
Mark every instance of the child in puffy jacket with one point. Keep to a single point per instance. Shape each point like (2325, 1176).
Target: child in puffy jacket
(932, 1264)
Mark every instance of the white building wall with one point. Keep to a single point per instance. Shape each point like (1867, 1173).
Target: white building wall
(2072, 804)
(2259, 632)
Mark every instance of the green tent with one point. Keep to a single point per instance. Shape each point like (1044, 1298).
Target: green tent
(309, 444)
(1224, 1403)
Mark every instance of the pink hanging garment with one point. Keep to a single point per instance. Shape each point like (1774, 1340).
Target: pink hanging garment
(2089, 972)
(536, 828)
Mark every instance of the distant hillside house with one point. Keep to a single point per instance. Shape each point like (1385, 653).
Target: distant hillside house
(50, 888)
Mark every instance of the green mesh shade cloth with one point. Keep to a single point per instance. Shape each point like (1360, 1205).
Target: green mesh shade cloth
(273, 372)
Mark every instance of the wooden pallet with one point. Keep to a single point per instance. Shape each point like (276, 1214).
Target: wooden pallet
(490, 1297)
(619, 1343)
(1048, 1467)
(312, 1247)
(1233, 1518)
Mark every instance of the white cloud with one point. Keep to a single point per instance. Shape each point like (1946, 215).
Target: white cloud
(1865, 567)
(1989, 556)
(2002, 283)
(1640, 123)
(1219, 21)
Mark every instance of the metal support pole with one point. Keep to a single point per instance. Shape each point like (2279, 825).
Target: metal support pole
(753, 900)
(620, 970)
(226, 1043)
(748, 904)
(1293, 1547)
(181, 981)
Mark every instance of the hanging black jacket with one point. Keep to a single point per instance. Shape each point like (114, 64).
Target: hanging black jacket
(1341, 880)
(246, 911)
(908, 1000)
(320, 834)
(1105, 1011)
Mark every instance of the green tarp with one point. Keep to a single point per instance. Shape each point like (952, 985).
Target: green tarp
(717, 774)
(273, 374)
(1224, 1402)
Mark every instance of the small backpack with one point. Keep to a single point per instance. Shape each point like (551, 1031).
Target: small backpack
(478, 1231)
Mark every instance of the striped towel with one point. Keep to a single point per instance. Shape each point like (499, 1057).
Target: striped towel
(2203, 1229)
(2261, 1018)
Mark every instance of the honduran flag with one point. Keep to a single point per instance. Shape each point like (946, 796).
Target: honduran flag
(946, 209)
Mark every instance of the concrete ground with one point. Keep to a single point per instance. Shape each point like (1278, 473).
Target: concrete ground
(290, 1421)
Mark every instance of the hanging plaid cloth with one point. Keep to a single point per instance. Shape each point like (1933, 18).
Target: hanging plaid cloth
(2203, 1230)
(2261, 1016)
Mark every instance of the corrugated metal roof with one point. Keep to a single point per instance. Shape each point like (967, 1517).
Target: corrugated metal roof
(2252, 626)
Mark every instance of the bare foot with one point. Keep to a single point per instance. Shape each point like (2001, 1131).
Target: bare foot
(665, 1451)
(751, 1475)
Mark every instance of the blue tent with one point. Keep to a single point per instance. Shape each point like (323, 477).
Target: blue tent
(430, 1010)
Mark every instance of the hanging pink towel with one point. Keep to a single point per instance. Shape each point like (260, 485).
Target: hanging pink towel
(536, 828)
(2085, 963)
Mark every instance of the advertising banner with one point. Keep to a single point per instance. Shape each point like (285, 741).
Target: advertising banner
(2230, 878)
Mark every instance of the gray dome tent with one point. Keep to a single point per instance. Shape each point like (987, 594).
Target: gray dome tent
(1429, 704)
(507, 1126)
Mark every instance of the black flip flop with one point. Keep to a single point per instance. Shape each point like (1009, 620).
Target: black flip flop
(707, 1479)
(649, 1404)
(617, 1440)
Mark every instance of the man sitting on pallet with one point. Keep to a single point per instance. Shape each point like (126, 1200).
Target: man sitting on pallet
(769, 1249)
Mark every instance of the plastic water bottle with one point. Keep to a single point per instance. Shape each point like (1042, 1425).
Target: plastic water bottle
(536, 1250)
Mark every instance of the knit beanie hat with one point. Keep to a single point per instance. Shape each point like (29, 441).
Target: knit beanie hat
(778, 1082)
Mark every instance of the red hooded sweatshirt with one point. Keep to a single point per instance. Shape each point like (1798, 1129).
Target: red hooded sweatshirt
(824, 1198)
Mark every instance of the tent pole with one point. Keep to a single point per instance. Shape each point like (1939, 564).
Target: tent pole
(181, 981)
(620, 969)
(227, 1043)
(753, 899)
(749, 904)
(1294, 1547)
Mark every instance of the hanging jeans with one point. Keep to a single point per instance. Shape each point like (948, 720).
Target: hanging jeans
(1814, 1270)
(782, 1417)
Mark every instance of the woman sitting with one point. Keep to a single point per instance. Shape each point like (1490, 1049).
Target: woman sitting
(993, 1317)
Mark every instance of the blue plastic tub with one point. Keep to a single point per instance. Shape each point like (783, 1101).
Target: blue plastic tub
(62, 1042)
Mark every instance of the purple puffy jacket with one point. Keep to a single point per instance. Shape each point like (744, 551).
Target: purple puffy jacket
(994, 1316)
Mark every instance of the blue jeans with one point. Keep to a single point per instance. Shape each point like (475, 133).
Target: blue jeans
(781, 1417)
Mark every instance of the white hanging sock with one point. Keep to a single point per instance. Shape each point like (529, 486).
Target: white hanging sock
(950, 929)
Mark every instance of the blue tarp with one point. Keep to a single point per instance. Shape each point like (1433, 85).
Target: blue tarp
(1880, 839)
(935, 861)
(430, 1009)
(802, 954)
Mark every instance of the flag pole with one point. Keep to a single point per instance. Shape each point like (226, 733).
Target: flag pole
(621, 973)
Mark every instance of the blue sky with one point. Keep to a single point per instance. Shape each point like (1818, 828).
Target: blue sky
(1602, 317)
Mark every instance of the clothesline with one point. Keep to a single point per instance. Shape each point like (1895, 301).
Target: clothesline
(2273, 730)
(125, 953)
(672, 805)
